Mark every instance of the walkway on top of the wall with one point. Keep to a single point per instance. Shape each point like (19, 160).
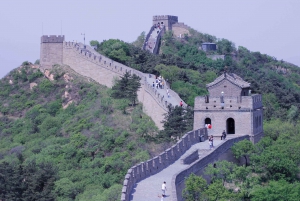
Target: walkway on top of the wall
(157, 94)
(150, 188)
(152, 39)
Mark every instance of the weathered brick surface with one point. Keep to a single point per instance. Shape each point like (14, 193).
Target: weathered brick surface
(89, 63)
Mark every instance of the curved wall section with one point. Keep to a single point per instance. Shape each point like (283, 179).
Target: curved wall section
(199, 165)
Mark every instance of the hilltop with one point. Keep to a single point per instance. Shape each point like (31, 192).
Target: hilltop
(69, 135)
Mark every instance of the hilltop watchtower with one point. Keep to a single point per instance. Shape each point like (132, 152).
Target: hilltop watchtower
(230, 106)
(51, 51)
(166, 20)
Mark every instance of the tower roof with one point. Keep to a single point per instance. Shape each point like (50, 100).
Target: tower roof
(231, 77)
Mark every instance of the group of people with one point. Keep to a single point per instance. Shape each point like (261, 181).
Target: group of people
(159, 82)
(211, 139)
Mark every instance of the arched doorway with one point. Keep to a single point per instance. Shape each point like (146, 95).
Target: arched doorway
(230, 126)
(207, 121)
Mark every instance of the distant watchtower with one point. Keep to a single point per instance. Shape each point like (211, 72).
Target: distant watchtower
(51, 51)
(230, 106)
(166, 20)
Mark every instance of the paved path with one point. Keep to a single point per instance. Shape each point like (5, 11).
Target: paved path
(152, 40)
(173, 100)
(149, 188)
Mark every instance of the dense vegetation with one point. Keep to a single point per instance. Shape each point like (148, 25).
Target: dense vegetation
(271, 171)
(188, 69)
(82, 152)
(271, 174)
(78, 153)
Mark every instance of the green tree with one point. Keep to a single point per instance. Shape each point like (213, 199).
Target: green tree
(194, 188)
(175, 123)
(127, 87)
(276, 190)
(139, 42)
(220, 170)
(243, 149)
(217, 191)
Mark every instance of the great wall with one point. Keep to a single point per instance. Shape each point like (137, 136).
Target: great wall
(193, 154)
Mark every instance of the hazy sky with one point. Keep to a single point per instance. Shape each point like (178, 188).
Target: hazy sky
(269, 26)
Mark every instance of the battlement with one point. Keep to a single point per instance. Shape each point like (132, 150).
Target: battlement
(52, 39)
(165, 17)
(228, 103)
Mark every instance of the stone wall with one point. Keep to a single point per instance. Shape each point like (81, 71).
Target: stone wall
(160, 162)
(166, 20)
(199, 165)
(51, 51)
(190, 158)
(179, 29)
(89, 63)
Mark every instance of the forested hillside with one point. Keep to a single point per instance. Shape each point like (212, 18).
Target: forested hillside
(69, 138)
(272, 168)
(188, 69)
(81, 152)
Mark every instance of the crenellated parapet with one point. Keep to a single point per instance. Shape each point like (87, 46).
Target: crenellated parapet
(232, 103)
(165, 17)
(52, 39)
(200, 164)
(76, 54)
(160, 162)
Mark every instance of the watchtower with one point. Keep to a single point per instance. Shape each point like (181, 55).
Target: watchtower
(230, 106)
(166, 20)
(51, 51)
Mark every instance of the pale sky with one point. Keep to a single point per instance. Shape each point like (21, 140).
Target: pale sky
(270, 26)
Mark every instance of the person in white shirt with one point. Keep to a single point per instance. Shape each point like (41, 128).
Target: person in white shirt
(164, 188)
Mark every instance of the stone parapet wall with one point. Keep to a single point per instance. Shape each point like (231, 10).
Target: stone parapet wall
(190, 158)
(52, 39)
(181, 25)
(230, 102)
(147, 37)
(199, 165)
(160, 162)
(89, 63)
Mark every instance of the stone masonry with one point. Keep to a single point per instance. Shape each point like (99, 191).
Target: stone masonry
(51, 51)
(230, 106)
(87, 62)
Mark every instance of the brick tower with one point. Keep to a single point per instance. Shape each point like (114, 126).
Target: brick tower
(166, 20)
(51, 51)
(230, 106)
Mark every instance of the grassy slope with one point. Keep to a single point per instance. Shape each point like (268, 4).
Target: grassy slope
(91, 143)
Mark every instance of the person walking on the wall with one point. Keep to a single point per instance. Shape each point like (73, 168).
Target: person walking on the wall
(211, 139)
(164, 189)
(223, 135)
(181, 104)
(210, 143)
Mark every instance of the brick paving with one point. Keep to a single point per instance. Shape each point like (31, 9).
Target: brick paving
(150, 188)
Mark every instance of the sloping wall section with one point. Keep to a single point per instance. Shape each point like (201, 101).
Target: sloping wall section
(88, 62)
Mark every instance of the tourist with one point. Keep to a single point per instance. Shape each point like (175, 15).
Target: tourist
(223, 135)
(153, 85)
(211, 141)
(181, 104)
(164, 189)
